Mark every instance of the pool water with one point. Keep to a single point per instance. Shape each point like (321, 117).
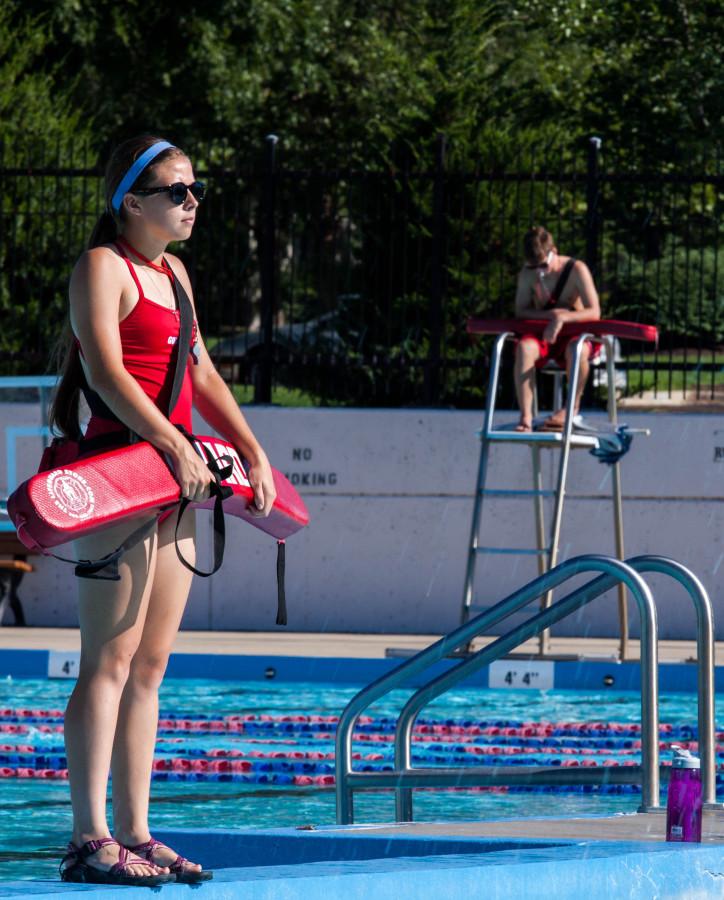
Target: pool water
(275, 752)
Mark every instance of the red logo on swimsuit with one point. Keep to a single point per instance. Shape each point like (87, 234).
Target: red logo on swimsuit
(71, 493)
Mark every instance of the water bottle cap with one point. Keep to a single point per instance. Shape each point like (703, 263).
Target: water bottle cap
(684, 760)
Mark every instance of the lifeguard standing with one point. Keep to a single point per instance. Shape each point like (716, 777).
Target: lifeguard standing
(125, 318)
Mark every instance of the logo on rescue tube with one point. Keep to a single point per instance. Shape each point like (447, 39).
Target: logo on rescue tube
(238, 475)
(71, 493)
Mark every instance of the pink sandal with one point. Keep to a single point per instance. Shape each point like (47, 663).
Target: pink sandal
(74, 867)
(177, 867)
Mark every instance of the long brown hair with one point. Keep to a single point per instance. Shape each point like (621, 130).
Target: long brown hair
(64, 410)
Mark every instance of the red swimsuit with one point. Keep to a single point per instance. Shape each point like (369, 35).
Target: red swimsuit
(148, 337)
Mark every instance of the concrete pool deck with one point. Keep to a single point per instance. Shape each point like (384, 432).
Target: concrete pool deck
(625, 827)
(335, 645)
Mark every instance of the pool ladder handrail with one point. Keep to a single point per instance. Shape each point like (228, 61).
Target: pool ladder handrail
(404, 777)
(347, 780)
(705, 681)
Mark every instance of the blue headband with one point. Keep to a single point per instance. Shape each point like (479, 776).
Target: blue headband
(132, 174)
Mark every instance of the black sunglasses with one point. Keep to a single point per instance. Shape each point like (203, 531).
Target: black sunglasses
(178, 191)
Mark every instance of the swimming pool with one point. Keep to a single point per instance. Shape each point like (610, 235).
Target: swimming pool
(241, 754)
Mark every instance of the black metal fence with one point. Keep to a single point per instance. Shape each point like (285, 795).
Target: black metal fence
(353, 287)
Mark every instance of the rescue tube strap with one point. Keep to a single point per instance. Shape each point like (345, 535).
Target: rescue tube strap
(561, 283)
(221, 468)
(281, 594)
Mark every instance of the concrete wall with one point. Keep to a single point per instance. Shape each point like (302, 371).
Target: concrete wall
(390, 497)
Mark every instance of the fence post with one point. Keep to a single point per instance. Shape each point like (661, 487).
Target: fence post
(437, 279)
(3, 189)
(267, 266)
(592, 201)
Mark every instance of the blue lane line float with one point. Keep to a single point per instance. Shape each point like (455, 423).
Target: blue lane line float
(298, 750)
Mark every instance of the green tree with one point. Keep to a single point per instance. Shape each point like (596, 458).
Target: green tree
(36, 96)
(41, 126)
(339, 81)
(515, 85)
(645, 75)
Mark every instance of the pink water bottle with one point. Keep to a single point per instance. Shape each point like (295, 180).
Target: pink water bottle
(684, 801)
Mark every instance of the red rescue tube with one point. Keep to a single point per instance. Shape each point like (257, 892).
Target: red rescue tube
(85, 496)
(632, 331)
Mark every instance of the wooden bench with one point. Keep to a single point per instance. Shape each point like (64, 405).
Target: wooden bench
(13, 566)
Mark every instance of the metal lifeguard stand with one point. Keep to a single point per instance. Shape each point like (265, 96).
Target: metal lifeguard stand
(546, 551)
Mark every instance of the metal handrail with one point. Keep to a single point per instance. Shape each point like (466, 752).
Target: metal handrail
(465, 633)
(482, 469)
(705, 693)
(617, 497)
(705, 653)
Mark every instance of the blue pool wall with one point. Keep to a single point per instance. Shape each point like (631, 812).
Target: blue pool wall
(286, 864)
(576, 675)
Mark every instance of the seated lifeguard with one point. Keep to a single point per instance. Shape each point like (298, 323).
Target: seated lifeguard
(559, 289)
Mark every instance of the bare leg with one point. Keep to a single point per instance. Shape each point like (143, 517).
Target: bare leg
(527, 354)
(583, 370)
(111, 616)
(558, 419)
(138, 714)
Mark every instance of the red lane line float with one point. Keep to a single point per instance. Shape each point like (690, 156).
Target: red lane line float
(327, 779)
(312, 727)
(27, 772)
(37, 766)
(384, 724)
(8, 712)
(305, 780)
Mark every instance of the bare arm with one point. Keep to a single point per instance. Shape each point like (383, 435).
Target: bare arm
(587, 309)
(96, 289)
(586, 290)
(217, 405)
(524, 308)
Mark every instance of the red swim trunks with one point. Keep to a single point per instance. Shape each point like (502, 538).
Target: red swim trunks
(557, 350)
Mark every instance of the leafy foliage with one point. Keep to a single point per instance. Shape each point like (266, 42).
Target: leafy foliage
(366, 89)
(342, 81)
(41, 125)
(36, 95)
